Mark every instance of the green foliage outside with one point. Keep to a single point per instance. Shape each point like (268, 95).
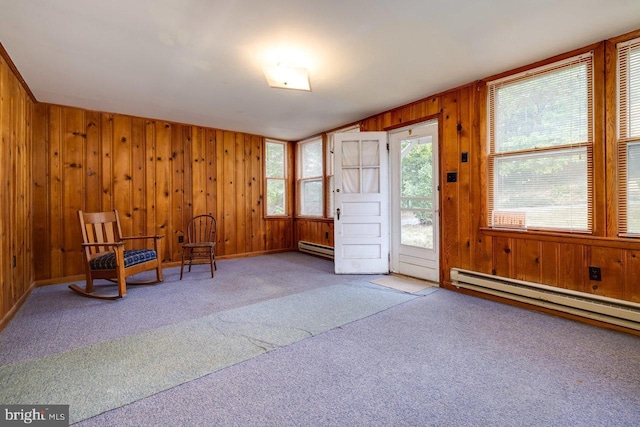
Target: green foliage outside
(417, 178)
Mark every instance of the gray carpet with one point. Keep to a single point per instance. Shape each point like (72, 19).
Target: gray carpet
(438, 358)
(127, 369)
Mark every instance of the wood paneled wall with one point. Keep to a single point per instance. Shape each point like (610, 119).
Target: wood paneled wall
(16, 250)
(157, 175)
(556, 259)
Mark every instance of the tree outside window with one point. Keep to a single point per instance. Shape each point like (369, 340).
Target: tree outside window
(275, 176)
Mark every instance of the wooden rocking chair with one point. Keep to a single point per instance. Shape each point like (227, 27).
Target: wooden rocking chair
(107, 258)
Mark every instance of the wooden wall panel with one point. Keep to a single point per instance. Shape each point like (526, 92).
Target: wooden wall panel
(17, 113)
(157, 174)
(611, 263)
(527, 255)
(450, 203)
(631, 288)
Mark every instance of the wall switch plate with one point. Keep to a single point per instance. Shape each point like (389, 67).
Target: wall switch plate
(595, 273)
(452, 176)
(464, 158)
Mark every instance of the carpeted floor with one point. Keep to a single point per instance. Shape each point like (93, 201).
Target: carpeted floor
(305, 347)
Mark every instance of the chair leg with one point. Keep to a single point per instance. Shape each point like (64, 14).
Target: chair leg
(89, 284)
(159, 277)
(182, 264)
(212, 261)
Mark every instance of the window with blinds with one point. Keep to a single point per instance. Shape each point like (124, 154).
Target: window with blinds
(541, 148)
(629, 136)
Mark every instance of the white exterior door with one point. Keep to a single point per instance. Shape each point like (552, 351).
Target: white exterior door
(414, 201)
(361, 216)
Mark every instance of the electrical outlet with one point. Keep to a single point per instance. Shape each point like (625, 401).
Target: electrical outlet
(595, 273)
(452, 176)
(180, 239)
(326, 234)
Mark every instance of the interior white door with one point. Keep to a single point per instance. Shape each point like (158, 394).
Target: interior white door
(414, 201)
(361, 201)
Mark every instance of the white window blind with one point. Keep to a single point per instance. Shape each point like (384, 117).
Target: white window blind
(629, 136)
(540, 147)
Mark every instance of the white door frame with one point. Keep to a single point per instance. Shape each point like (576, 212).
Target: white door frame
(408, 260)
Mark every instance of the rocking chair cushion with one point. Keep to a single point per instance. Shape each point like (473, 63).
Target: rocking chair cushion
(131, 257)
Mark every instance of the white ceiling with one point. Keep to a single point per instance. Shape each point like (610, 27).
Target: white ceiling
(200, 61)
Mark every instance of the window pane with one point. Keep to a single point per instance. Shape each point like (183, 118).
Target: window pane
(548, 189)
(311, 197)
(312, 159)
(351, 180)
(416, 229)
(275, 160)
(370, 180)
(370, 153)
(416, 168)
(350, 153)
(549, 110)
(633, 188)
(275, 197)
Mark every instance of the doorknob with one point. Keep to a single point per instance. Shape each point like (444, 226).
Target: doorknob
(338, 213)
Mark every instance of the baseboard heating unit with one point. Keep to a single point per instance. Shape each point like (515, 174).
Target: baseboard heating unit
(315, 249)
(610, 310)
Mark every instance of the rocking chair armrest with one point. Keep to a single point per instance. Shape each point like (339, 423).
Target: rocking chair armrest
(115, 244)
(142, 237)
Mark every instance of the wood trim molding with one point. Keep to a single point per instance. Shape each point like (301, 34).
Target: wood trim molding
(14, 310)
(14, 69)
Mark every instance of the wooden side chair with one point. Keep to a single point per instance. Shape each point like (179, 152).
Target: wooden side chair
(105, 255)
(201, 243)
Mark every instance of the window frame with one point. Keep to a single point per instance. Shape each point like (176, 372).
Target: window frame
(622, 135)
(590, 57)
(284, 178)
(301, 180)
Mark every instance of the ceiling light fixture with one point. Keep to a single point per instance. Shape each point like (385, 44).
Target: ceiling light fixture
(287, 77)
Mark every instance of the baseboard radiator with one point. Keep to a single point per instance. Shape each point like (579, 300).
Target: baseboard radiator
(315, 249)
(610, 310)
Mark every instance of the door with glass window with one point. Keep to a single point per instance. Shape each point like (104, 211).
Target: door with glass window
(414, 201)
(361, 217)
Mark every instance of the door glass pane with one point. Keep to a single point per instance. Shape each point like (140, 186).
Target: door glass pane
(416, 201)
(370, 153)
(370, 180)
(416, 228)
(351, 153)
(351, 180)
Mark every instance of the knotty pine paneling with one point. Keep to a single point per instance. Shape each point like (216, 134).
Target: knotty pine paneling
(16, 192)
(157, 174)
(314, 231)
